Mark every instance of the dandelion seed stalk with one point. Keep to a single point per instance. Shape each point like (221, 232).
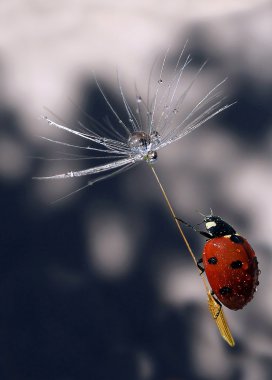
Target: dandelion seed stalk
(178, 225)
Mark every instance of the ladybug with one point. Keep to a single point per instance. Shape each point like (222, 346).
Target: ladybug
(229, 262)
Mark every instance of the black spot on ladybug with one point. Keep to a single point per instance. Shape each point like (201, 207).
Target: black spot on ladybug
(212, 260)
(225, 290)
(236, 264)
(236, 239)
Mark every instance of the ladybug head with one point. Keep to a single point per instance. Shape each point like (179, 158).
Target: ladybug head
(217, 227)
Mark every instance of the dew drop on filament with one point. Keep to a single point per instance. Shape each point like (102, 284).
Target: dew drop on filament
(139, 142)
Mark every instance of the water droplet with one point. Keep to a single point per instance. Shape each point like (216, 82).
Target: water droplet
(70, 174)
(160, 81)
(120, 121)
(175, 111)
(139, 142)
(139, 99)
(130, 120)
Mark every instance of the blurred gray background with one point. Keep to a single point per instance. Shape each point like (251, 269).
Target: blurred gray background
(100, 286)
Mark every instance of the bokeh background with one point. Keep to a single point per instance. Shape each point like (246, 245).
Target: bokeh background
(100, 286)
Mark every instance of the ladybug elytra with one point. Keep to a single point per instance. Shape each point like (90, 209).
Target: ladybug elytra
(229, 262)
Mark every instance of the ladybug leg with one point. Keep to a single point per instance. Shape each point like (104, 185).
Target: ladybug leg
(200, 267)
(203, 233)
(218, 302)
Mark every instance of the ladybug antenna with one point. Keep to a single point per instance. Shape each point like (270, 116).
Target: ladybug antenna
(211, 212)
(200, 213)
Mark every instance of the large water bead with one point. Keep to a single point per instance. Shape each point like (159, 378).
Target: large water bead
(139, 142)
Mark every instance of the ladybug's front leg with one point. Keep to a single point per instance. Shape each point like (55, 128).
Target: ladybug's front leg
(203, 233)
(200, 267)
(218, 302)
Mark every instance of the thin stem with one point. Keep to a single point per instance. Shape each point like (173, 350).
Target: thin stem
(179, 227)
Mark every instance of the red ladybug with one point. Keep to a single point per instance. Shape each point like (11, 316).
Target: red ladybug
(230, 263)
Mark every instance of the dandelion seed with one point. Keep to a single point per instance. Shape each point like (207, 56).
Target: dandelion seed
(157, 121)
